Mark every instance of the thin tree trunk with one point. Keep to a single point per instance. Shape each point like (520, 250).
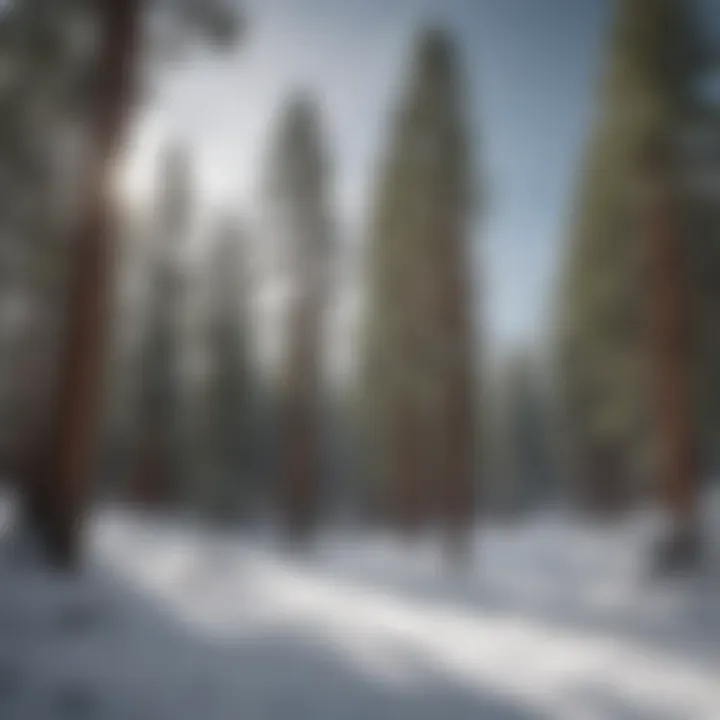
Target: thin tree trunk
(152, 485)
(60, 486)
(458, 446)
(609, 493)
(393, 471)
(302, 421)
(410, 470)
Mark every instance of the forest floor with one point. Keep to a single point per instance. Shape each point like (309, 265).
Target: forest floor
(550, 618)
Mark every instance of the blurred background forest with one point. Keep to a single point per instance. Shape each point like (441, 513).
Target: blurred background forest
(363, 357)
(307, 263)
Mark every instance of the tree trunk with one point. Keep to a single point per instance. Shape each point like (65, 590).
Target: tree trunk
(608, 492)
(410, 473)
(670, 355)
(60, 485)
(152, 485)
(457, 476)
(302, 461)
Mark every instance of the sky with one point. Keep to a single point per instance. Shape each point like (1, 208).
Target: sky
(530, 71)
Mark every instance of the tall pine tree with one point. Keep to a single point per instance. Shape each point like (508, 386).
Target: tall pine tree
(105, 87)
(230, 383)
(609, 349)
(298, 190)
(157, 480)
(419, 341)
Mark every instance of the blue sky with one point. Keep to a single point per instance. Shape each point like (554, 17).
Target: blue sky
(530, 69)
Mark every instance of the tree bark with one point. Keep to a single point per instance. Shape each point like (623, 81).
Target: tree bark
(458, 428)
(302, 460)
(670, 356)
(61, 483)
(455, 334)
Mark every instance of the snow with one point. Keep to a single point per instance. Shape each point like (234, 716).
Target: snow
(550, 619)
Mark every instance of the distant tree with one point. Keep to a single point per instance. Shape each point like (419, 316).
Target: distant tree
(419, 345)
(298, 189)
(525, 435)
(117, 453)
(158, 478)
(231, 396)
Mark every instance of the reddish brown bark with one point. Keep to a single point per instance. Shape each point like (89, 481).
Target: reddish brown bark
(670, 351)
(61, 483)
(302, 461)
(455, 482)
(152, 485)
(606, 482)
(457, 412)
(459, 444)
(407, 471)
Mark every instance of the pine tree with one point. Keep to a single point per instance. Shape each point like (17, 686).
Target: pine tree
(60, 485)
(230, 393)
(105, 88)
(524, 437)
(299, 194)
(158, 476)
(419, 339)
(611, 389)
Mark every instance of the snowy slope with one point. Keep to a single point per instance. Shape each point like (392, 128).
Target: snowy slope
(552, 620)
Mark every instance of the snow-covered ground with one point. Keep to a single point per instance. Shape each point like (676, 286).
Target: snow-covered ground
(551, 619)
